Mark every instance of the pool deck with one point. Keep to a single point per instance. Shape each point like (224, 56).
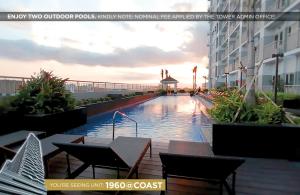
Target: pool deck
(256, 176)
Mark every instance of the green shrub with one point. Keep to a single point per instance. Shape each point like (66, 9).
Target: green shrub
(162, 92)
(6, 104)
(281, 96)
(226, 106)
(268, 113)
(44, 94)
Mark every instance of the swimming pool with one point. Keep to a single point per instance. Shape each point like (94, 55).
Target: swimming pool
(162, 119)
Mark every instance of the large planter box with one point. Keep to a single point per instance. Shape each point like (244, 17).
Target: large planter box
(294, 104)
(253, 140)
(55, 123)
(98, 108)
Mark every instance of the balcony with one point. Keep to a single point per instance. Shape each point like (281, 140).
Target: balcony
(257, 26)
(232, 67)
(278, 5)
(257, 54)
(292, 89)
(272, 48)
(235, 5)
(244, 60)
(244, 32)
(233, 44)
(224, 6)
(245, 7)
(233, 26)
(221, 70)
(293, 40)
(223, 39)
(224, 54)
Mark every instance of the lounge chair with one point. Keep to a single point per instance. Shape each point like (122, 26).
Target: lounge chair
(124, 153)
(190, 162)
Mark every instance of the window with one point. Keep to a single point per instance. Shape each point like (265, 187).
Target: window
(216, 56)
(292, 78)
(289, 31)
(216, 71)
(278, 4)
(286, 79)
(276, 41)
(280, 38)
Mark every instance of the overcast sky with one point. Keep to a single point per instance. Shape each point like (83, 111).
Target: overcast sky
(133, 52)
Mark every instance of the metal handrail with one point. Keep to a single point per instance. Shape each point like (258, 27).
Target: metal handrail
(124, 115)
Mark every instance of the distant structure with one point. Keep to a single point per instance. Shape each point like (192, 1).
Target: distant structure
(24, 174)
(167, 81)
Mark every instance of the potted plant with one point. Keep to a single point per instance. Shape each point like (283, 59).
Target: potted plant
(46, 105)
(256, 131)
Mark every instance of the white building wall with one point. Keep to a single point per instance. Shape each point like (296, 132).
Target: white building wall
(226, 55)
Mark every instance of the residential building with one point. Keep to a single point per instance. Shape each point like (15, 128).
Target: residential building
(25, 173)
(228, 45)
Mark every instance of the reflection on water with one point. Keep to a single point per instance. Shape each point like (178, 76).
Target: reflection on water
(162, 119)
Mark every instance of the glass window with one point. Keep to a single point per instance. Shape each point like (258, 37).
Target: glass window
(289, 31)
(292, 78)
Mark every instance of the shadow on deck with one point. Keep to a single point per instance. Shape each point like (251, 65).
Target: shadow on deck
(256, 176)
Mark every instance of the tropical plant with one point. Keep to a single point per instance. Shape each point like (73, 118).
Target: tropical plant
(43, 94)
(227, 105)
(268, 113)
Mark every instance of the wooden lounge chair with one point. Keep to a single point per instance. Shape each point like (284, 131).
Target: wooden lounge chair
(190, 162)
(124, 153)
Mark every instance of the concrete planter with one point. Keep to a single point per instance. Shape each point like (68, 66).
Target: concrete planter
(253, 140)
(55, 123)
(117, 104)
(293, 104)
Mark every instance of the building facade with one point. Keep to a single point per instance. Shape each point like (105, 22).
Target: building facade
(24, 174)
(228, 46)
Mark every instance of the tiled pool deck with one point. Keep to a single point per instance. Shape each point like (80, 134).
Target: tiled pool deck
(256, 176)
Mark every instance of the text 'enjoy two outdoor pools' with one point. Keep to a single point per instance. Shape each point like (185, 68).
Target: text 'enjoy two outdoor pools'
(162, 119)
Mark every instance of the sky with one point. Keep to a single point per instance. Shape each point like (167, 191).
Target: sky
(131, 52)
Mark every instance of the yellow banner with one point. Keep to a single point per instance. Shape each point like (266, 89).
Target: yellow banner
(105, 184)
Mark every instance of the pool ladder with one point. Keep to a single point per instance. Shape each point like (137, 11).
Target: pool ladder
(124, 115)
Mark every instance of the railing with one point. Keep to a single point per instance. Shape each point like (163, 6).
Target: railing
(293, 40)
(124, 115)
(257, 26)
(257, 54)
(292, 89)
(244, 32)
(233, 44)
(277, 6)
(233, 26)
(244, 60)
(272, 48)
(11, 85)
(221, 70)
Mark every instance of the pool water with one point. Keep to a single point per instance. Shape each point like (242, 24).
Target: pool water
(162, 119)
